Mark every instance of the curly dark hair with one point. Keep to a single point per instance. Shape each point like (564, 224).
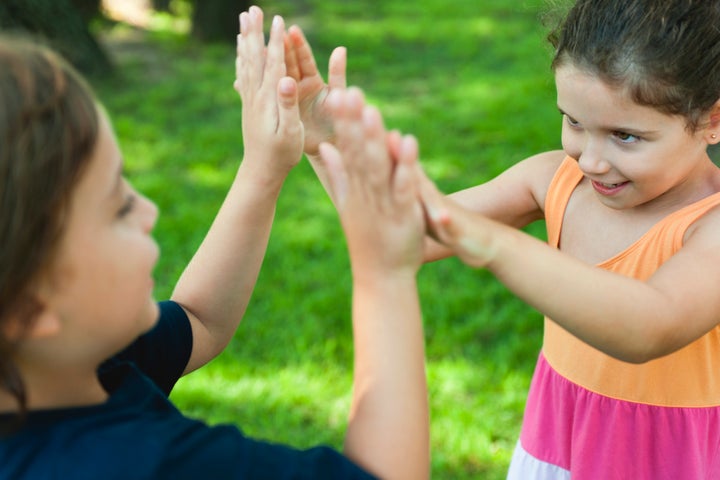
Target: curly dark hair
(665, 53)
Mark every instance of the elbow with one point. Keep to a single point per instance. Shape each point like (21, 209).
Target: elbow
(647, 347)
(636, 357)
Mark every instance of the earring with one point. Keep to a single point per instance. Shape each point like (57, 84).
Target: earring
(713, 136)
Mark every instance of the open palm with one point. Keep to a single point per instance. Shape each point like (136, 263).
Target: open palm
(312, 89)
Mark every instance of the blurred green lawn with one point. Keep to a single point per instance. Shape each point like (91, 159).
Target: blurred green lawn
(471, 80)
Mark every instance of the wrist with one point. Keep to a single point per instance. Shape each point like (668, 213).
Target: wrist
(384, 278)
(258, 182)
(262, 172)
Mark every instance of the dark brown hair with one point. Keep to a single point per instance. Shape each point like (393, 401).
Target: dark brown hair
(48, 129)
(665, 53)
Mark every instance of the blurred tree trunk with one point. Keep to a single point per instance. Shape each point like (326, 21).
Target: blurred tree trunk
(161, 5)
(63, 26)
(88, 9)
(217, 20)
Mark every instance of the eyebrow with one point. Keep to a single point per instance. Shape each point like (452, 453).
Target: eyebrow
(117, 186)
(632, 131)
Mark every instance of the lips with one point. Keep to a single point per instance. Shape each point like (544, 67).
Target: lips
(608, 188)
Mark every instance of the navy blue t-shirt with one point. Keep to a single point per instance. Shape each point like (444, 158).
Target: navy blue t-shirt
(139, 434)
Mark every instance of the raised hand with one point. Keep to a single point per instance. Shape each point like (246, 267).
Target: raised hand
(377, 200)
(313, 90)
(468, 234)
(272, 130)
(376, 196)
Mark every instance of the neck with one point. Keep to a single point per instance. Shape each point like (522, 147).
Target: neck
(8, 403)
(52, 390)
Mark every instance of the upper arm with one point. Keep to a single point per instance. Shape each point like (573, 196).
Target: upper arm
(162, 353)
(516, 197)
(690, 281)
(204, 345)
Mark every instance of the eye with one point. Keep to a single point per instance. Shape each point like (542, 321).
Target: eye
(571, 121)
(624, 137)
(128, 205)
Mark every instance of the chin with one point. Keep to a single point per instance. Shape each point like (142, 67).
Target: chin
(150, 316)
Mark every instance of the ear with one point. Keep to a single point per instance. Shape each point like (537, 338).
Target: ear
(712, 132)
(45, 323)
(34, 315)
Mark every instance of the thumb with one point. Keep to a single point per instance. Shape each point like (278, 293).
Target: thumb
(337, 76)
(433, 201)
(288, 110)
(287, 93)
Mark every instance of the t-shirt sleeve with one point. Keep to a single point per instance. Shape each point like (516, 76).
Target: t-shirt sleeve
(163, 352)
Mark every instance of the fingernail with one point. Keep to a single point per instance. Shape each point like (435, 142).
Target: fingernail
(333, 98)
(368, 116)
(243, 21)
(286, 86)
(409, 145)
(434, 213)
(277, 19)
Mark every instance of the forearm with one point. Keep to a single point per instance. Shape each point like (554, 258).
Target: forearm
(217, 284)
(388, 431)
(433, 251)
(621, 316)
(322, 174)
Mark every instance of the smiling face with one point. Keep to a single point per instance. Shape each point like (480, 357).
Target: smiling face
(632, 155)
(100, 285)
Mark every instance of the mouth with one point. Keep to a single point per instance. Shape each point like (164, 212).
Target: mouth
(608, 188)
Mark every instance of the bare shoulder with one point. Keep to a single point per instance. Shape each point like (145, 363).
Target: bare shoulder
(540, 170)
(550, 159)
(706, 229)
(535, 174)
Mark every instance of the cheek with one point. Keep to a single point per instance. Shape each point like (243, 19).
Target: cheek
(125, 265)
(571, 142)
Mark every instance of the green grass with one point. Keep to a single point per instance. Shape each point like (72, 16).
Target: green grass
(471, 80)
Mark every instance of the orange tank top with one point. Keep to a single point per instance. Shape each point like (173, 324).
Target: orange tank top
(689, 377)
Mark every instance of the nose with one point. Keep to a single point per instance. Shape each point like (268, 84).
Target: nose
(148, 213)
(591, 163)
(591, 156)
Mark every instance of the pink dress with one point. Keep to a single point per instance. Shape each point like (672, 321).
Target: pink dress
(591, 417)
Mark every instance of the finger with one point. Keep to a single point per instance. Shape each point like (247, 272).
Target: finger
(337, 70)
(275, 61)
(305, 60)
(345, 107)
(377, 162)
(432, 199)
(337, 175)
(350, 132)
(288, 111)
(238, 66)
(239, 73)
(408, 153)
(404, 181)
(292, 68)
(334, 102)
(251, 49)
(394, 141)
